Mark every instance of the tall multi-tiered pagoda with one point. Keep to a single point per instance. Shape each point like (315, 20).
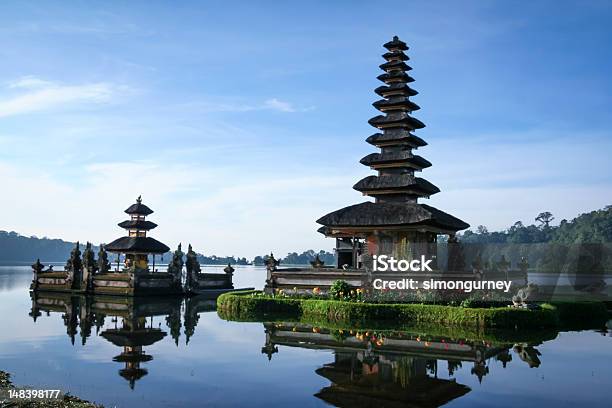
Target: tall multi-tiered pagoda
(395, 221)
(137, 246)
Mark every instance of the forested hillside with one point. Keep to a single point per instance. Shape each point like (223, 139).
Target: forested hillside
(592, 227)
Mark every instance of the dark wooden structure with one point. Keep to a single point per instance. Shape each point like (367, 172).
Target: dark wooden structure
(395, 223)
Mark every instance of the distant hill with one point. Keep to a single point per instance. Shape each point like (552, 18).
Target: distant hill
(592, 227)
(18, 248)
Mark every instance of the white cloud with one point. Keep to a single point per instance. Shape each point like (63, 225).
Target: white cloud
(41, 95)
(278, 105)
(272, 104)
(251, 215)
(30, 82)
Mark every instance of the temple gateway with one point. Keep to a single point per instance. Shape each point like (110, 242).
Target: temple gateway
(395, 223)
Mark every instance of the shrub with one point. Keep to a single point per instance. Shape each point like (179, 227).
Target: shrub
(340, 290)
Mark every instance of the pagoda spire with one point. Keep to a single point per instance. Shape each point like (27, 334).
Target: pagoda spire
(396, 163)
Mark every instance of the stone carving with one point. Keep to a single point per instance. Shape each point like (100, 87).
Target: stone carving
(271, 263)
(524, 294)
(456, 257)
(317, 263)
(193, 267)
(74, 268)
(477, 267)
(89, 261)
(175, 267)
(228, 269)
(89, 266)
(104, 265)
(37, 269)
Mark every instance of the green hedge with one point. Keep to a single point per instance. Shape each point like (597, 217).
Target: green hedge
(243, 305)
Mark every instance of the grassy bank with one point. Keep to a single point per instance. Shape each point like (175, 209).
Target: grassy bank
(67, 402)
(255, 306)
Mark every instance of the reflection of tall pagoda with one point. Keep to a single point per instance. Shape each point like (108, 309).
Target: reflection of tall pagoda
(395, 219)
(137, 246)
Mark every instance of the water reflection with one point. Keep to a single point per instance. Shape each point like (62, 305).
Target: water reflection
(394, 368)
(133, 319)
(420, 367)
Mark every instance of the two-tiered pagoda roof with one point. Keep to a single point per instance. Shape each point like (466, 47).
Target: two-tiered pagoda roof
(395, 188)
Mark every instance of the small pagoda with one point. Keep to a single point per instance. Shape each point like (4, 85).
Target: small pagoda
(395, 223)
(137, 246)
(135, 277)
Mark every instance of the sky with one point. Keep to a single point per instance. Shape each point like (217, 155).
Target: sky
(241, 124)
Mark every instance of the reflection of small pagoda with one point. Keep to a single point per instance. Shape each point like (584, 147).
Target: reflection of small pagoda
(137, 246)
(395, 220)
(132, 337)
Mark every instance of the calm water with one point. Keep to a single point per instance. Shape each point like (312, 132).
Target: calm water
(180, 353)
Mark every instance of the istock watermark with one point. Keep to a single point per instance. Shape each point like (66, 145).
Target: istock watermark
(385, 263)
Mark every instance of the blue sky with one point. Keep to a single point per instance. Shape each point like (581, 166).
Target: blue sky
(242, 123)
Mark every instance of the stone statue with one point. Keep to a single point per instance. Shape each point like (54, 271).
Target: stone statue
(175, 267)
(193, 267)
(477, 267)
(228, 269)
(524, 294)
(317, 263)
(523, 264)
(89, 260)
(74, 262)
(37, 269)
(74, 267)
(456, 257)
(271, 262)
(89, 266)
(104, 265)
(503, 265)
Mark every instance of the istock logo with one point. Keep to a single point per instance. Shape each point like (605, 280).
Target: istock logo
(385, 263)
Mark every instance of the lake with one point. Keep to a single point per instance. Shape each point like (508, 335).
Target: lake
(180, 353)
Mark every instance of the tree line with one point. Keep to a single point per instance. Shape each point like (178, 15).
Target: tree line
(592, 227)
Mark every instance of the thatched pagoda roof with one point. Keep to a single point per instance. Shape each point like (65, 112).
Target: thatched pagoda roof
(395, 76)
(396, 104)
(402, 159)
(138, 224)
(390, 65)
(404, 182)
(395, 55)
(406, 121)
(396, 44)
(395, 89)
(137, 244)
(401, 137)
(139, 208)
(386, 214)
